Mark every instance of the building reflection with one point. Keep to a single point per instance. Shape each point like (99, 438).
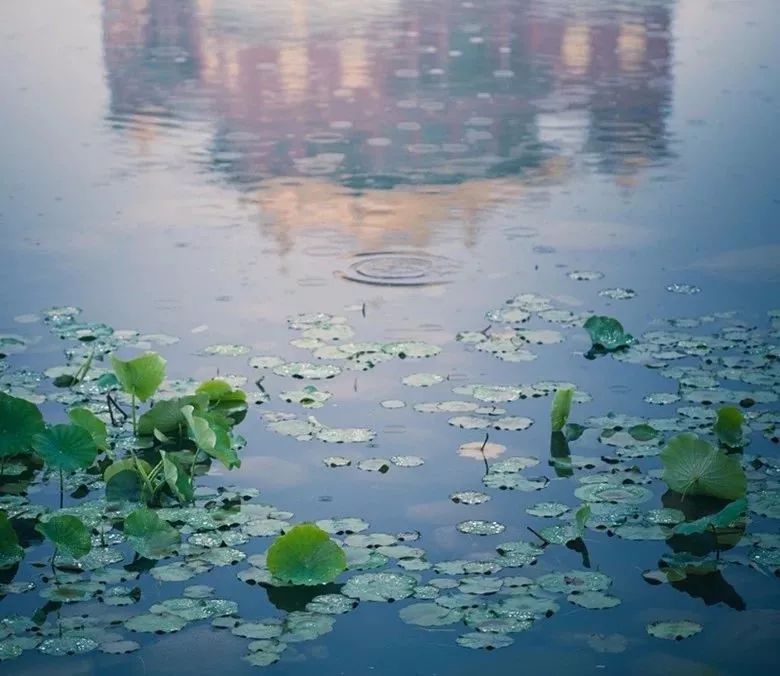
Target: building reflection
(349, 98)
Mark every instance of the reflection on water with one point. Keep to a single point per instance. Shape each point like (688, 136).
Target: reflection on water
(397, 92)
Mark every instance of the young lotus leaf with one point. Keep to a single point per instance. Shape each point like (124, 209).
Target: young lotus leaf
(694, 467)
(66, 447)
(224, 399)
(561, 407)
(722, 519)
(140, 376)
(306, 556)
(211, 437)
(607, 333)
(149, 535)
(20, 421)
(728, 426)
(68, 533)
(86, 419)
(10, 551)
(166, 416)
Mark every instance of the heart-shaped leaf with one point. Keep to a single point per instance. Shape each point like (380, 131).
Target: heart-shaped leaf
(306, 556)
(66, 447)
(140, 376)
(20, 421)
(694, 467)
(68, 533)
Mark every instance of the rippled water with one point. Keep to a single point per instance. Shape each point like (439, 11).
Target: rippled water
(207, 168)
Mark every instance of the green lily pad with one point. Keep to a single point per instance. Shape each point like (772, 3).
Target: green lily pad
(383, 587)
(20, 421)
(484, 640)
(306, 556)
(613, 492)
(548, 510)
(119, 647)
(68, 645)
(673, 630)
(140, 376)
(149, 535)
(430, 615)
(66, 447)
(469, 497)
(304, 626)
(694, 467)
(477, 527)
(593, 600)
(572, 581)
(422, 379)
(331, 604)
(607, 333)
(68, 533)
(153, 623)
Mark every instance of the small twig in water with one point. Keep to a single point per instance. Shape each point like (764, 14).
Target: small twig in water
(540, 536)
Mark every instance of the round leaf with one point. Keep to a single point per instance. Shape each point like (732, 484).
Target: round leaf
(306, 555)
(67, 447)
(20, 421)
(68, 533)
(140, 376)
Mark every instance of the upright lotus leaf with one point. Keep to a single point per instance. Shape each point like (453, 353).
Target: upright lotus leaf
(65, 447)
(85, 418)
(149, 535)
(211, 436)
(561, 407)
(307, 556)
(581, 517)
(20, 421)
(607, 333)
(166, 416)
(68, 533)
(124, 479)
(728, 427)
(10, 551)
(141, 376)
(178, 481)
(722, 519)
(223, 398)
(694, 467)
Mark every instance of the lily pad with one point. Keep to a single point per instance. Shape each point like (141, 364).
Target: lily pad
(66, 447)
(674, 630)
(306, 556)
(383, 587)
(430, 615)
(149, 535)
(68, 533)
(484, 641)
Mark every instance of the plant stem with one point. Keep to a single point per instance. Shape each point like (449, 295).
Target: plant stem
(53, 569)
(135, 425)
(61, 489)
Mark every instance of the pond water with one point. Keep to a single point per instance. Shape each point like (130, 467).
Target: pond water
(211, 170)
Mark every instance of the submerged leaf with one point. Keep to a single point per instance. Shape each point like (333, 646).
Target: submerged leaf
(694, 467)
(307, 556)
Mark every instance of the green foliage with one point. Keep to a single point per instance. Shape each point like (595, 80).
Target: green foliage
(306, 556)
(20, 421)
(65, 447)
(728, 426)
(722, 519)
(607, 333)
(694, 467)
(95, 426)
(561, 407)
(581, 517)
(149, 535)
(224, 399)
(166, 416)
(210, 434)
(141, 376)
(10, 551)
(68, 533)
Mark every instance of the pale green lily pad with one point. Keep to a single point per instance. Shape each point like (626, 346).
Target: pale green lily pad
(618, 293)
(480, 585)
(518, 553)
(514, 482)
(512, 423)
(484, 641)
(674, 630)
(336, 461)
(412, 349)
(68, 533)
(331, 604)
(195, 609)
(345, 526)
(469, 422)
(422, 379)
(430, 615)
(374, 465)
(407, 460)
(347, 435)
(153, 623)
(225, 350)
(548, 510)
(265, 362)
(308, 397)
(119, 647)
(392, 403)
(574, 581)
(478, 527)
(264, 629)
(613, 492)
(593, 600)
(68, 645)
(305, 626)
(383, 587)
(308, 371)
(469, 497)
(765, 503)
(642, 531)
(585, 275)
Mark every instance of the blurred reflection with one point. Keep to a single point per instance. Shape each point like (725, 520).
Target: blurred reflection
(392, 93)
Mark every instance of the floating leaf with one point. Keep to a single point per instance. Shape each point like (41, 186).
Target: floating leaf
(68, 533)
(593, 600)
(728, 426)
(561, 407)
(386, 587)
(140, 376)
(149, 535)
(85, 418)
(430, 615)
(722, 519)
(694, 467)
(484, 640)
(20, 421)
(607, 333)
(306, 556)
(66, 447)
(674, 630)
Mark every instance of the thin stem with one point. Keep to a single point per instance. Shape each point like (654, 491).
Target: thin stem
(53, 569)
(135, 424)
(484, 457)
(539, 535)
(61, 488)
(110, 410)
(2, 466)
